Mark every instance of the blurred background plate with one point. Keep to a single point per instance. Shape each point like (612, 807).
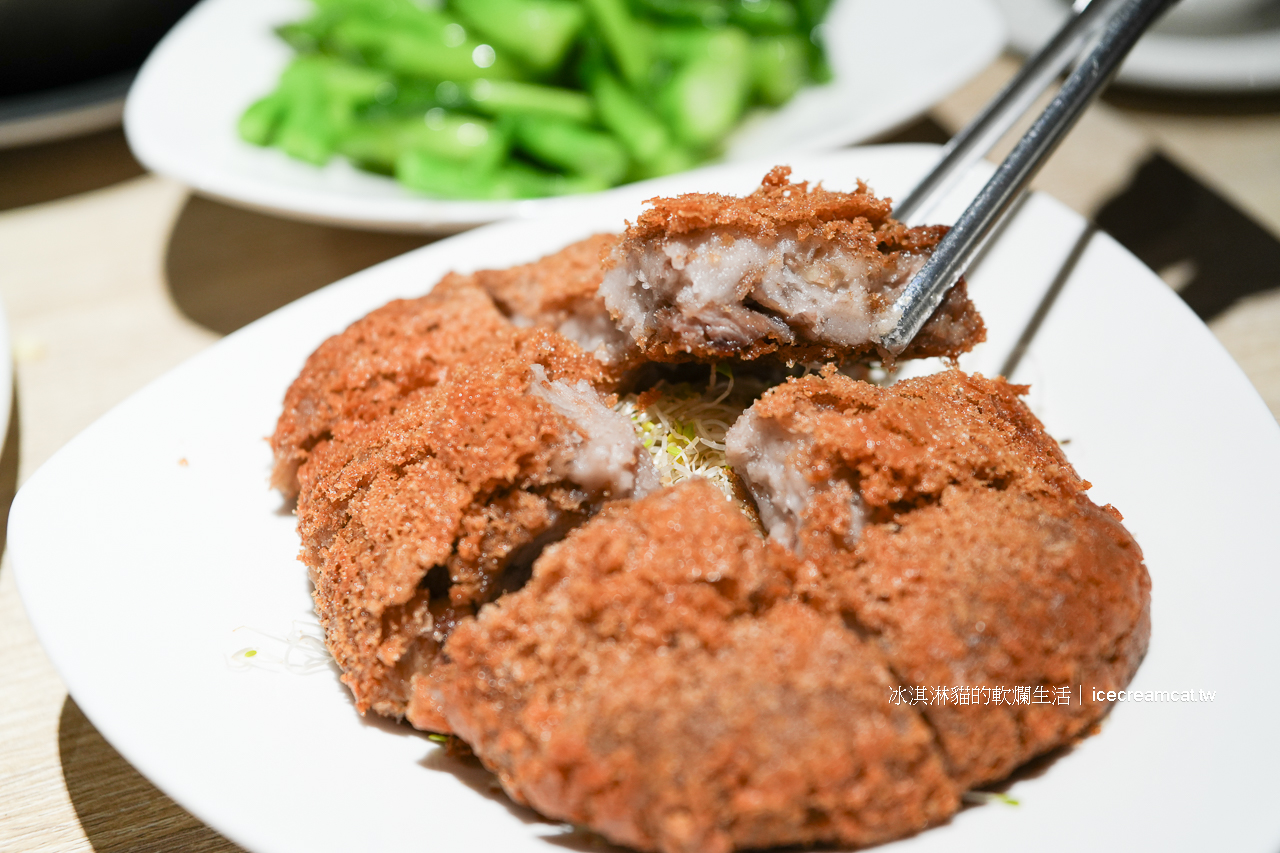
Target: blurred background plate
(66, 65)
(61, 113)
(1237, 52)
(891, 61)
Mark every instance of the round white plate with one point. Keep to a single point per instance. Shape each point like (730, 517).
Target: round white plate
(63, 113)
(150, 549)
(1240, 62)
(891, 62)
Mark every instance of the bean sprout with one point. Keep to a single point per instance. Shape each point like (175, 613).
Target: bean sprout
(300, 652)
(683, 426)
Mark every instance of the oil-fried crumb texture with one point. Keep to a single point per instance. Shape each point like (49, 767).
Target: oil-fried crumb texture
(675, 682)
(493, 555)
(365, 372)
(975, 556)
(803, 274)
(408, 524)
(358, 376)
(658, 682)
(561, 292)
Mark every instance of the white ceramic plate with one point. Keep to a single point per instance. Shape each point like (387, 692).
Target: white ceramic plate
(1246, 61)
(144, 545)
(891, 62)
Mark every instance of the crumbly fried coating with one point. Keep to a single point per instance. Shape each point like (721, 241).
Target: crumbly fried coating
(552, 289)
(797, 273)
(979, 560)
(561, 292)
(1002, 587)
(656, 682)
(410, 522)
(775, 205)
(662, 673)
(364, 372)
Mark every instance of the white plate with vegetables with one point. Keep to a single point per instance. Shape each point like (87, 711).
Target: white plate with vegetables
(192, 101)
(152, 557)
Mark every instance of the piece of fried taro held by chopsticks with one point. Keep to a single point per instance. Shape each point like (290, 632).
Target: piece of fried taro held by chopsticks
(803, 274)
(410, 522)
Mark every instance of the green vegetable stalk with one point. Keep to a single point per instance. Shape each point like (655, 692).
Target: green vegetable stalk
(505, 99)
(705, 98)
(539, 33)
(576, 149)
(509, 97)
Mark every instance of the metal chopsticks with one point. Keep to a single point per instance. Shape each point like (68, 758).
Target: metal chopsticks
(984, 131)
(1122, 23)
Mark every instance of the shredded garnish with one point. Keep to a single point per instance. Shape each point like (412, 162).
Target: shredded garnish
(981, 798)
(301, 652)
(683, 426)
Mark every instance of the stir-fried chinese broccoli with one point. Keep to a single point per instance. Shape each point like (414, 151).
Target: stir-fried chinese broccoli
(500, 99)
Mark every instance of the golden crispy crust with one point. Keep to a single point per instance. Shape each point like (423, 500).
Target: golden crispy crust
(361, 374)
(458, 480)
(982, 563)
(673, 682)
(561, 292)
(854, 217)
(907, 442)
(655, 683)
(666, 677)
(553, 288)
(1001, 587)
(364, 373)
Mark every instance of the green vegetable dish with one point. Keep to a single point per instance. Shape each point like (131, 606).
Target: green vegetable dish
(504, 99)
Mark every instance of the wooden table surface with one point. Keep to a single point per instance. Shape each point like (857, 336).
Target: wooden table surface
(112, 276)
